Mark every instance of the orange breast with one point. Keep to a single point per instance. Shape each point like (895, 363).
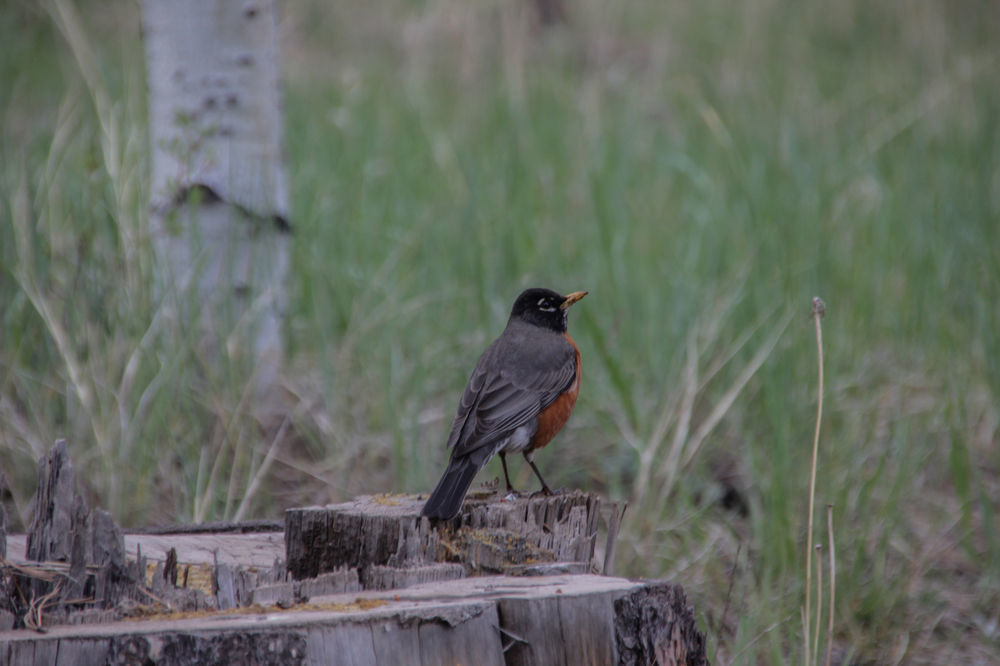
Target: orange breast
(552, 419)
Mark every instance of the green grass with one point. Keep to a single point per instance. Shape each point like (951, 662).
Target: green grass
(702, 170)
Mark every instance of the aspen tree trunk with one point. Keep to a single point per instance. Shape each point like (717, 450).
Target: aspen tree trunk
(219, 194)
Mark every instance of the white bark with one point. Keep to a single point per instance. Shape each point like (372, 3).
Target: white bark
(219, 195)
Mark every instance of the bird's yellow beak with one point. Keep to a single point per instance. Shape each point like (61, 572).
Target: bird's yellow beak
(571, 299)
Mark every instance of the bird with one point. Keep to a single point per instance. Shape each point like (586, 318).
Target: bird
(519, 396)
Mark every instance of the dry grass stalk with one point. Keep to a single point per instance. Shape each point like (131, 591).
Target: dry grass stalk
(818, 310)
(833, 581)
(819, 598)
(678, 412)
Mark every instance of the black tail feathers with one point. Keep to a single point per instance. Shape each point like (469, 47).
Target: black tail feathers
(446, 500)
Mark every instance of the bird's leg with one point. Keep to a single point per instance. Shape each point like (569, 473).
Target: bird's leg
(506, 477)
(545, 487)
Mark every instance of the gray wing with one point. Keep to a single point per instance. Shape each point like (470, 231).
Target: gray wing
(495, 404)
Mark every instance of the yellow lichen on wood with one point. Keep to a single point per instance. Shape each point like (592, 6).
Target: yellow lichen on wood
(145, 613)
(387, 499)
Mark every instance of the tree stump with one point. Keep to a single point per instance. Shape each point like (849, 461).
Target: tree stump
(374, 583)
(583, 620)
(385, 538)
(78, 567)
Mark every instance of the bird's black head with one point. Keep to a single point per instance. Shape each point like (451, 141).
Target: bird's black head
(544, 307)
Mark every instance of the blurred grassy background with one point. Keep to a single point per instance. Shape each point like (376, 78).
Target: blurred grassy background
(702, 169)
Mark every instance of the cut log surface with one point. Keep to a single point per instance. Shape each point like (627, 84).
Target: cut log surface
(259, 549)
(484, 620)
(491, 535)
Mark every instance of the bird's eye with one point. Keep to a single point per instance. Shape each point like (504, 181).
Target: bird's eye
(545, 306)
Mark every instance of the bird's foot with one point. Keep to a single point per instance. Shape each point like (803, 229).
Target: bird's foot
(548, 492)
(512, 494)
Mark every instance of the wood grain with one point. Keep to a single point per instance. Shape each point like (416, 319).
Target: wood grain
(491, 534)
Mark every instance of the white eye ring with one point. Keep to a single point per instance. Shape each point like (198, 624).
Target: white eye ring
(541, 305)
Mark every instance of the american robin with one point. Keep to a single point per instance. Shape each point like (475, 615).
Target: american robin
(519, 396)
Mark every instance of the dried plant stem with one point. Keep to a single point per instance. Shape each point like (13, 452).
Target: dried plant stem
(833, 582)
(729, 592)
(819, 598)
(261, 472)
(818, 310)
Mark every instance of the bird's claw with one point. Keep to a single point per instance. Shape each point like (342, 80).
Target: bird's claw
(548, 492)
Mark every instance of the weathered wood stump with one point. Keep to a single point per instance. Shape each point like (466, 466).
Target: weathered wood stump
(390, 544)
(369, 582)
(72, 566)
(85, 569)
(492, 620)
